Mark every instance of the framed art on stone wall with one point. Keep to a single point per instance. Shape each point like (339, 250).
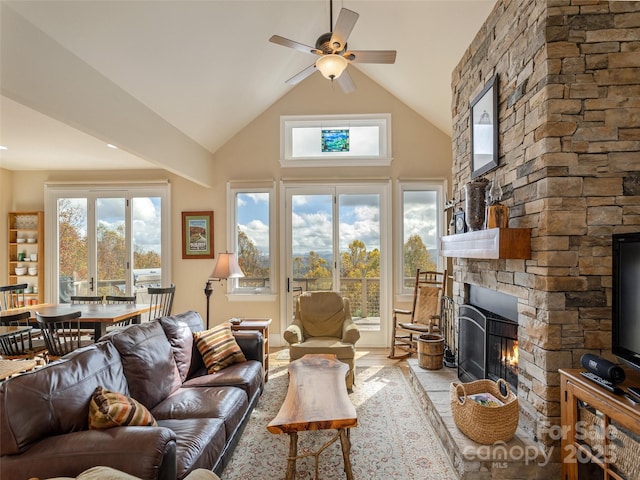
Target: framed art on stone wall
(484, 129)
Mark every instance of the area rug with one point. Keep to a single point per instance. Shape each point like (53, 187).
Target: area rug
(393, 440)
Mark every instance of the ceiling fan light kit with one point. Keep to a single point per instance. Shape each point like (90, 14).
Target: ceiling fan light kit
(332, 53)
(331, 66)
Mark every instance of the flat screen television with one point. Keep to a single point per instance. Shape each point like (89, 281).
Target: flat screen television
(626, 298)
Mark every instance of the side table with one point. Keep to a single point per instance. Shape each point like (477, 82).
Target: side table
(261, 325)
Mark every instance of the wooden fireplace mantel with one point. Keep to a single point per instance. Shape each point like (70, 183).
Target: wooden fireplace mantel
(492, 243)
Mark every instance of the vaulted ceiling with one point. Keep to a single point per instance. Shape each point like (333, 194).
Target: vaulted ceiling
(196, 72)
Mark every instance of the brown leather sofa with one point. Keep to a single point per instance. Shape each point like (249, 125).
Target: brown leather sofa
(44, 414)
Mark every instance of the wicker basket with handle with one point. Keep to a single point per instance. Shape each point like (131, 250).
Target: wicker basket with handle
(481, 423)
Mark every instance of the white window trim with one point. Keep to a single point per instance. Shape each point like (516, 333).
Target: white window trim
(234, 187)
(382, 120)
(440, 187)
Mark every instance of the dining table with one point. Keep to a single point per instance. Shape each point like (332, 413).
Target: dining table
(93, 316)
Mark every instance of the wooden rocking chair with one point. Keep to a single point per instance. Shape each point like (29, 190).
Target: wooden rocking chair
(424, 315)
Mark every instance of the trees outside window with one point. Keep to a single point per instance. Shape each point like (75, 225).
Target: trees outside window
(421, 206)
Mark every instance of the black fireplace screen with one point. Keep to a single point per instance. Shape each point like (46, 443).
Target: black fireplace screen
(488, 346)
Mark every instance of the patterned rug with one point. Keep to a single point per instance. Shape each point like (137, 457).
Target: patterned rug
(393, 440)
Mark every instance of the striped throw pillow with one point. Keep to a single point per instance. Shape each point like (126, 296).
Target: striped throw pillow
(218, 347)
(109, 409)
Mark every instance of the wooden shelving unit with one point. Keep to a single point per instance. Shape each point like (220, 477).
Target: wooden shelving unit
(26, 235)
(492, 243)
(601, 430)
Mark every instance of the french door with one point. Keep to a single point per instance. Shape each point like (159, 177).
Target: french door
(106, 241)
(337, 239)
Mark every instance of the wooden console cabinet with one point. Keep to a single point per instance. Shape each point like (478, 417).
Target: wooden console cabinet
(601, 430)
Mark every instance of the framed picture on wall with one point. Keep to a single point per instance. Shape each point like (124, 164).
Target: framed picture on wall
(484, 129)
(197, 235)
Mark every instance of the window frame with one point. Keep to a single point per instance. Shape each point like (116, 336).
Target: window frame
(440, 187)
(235, 293)
(381, 120)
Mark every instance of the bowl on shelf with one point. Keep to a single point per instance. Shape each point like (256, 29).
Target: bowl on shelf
(21, 270)
(33, 271)
(31, 240)
(21, 240)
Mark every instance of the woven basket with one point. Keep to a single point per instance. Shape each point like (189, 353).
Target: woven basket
(485, 425)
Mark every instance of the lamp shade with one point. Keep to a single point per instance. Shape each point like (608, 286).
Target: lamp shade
(226, 266)
(332, 65)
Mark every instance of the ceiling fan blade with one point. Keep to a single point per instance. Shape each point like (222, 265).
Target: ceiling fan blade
(371, 56)
(342, 29)
(298, 77)
(346, 83)
(285, 42)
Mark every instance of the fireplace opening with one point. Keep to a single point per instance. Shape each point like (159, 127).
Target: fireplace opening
(502, 350)
(488, 341)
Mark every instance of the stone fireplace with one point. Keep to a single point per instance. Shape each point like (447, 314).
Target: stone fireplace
(569, 136)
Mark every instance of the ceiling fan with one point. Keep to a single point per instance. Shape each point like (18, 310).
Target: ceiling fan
(331, 48)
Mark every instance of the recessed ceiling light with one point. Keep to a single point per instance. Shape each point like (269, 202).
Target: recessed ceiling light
(112, 146)
(2, 147)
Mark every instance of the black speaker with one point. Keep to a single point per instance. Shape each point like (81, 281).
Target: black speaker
(603, 368)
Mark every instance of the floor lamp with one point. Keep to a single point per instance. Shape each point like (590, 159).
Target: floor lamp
(226, 266)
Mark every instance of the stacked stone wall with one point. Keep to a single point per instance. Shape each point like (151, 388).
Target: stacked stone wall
(569, 167)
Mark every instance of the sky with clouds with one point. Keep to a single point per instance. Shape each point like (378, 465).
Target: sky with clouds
(359, 220)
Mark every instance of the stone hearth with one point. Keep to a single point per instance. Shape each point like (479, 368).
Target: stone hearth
(520, 458)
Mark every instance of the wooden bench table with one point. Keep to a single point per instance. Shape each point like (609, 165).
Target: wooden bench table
(316, 399)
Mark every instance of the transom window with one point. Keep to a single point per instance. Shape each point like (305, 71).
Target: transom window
(335, 140)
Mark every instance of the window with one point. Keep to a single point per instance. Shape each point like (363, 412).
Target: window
(251, 219)
(420, 230)
(335, 140)
(107, 239)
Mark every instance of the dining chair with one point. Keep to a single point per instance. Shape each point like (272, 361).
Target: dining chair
(120, 299)
(86, 299)
(160, 301)
(12, 296)
(19, 345)
(62, 333)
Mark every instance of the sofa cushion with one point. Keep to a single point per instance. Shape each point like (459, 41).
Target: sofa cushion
(179, 331)
(199, 442)
(218, 347)
(227, 403)
(55, 399)
(246, 375)
(148, 362)
(111, 409)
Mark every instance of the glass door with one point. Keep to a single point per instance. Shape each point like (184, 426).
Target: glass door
(337, 241)
(106, 242)
(93, 253)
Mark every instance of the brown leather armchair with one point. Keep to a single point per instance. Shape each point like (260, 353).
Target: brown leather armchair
(323, 324)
